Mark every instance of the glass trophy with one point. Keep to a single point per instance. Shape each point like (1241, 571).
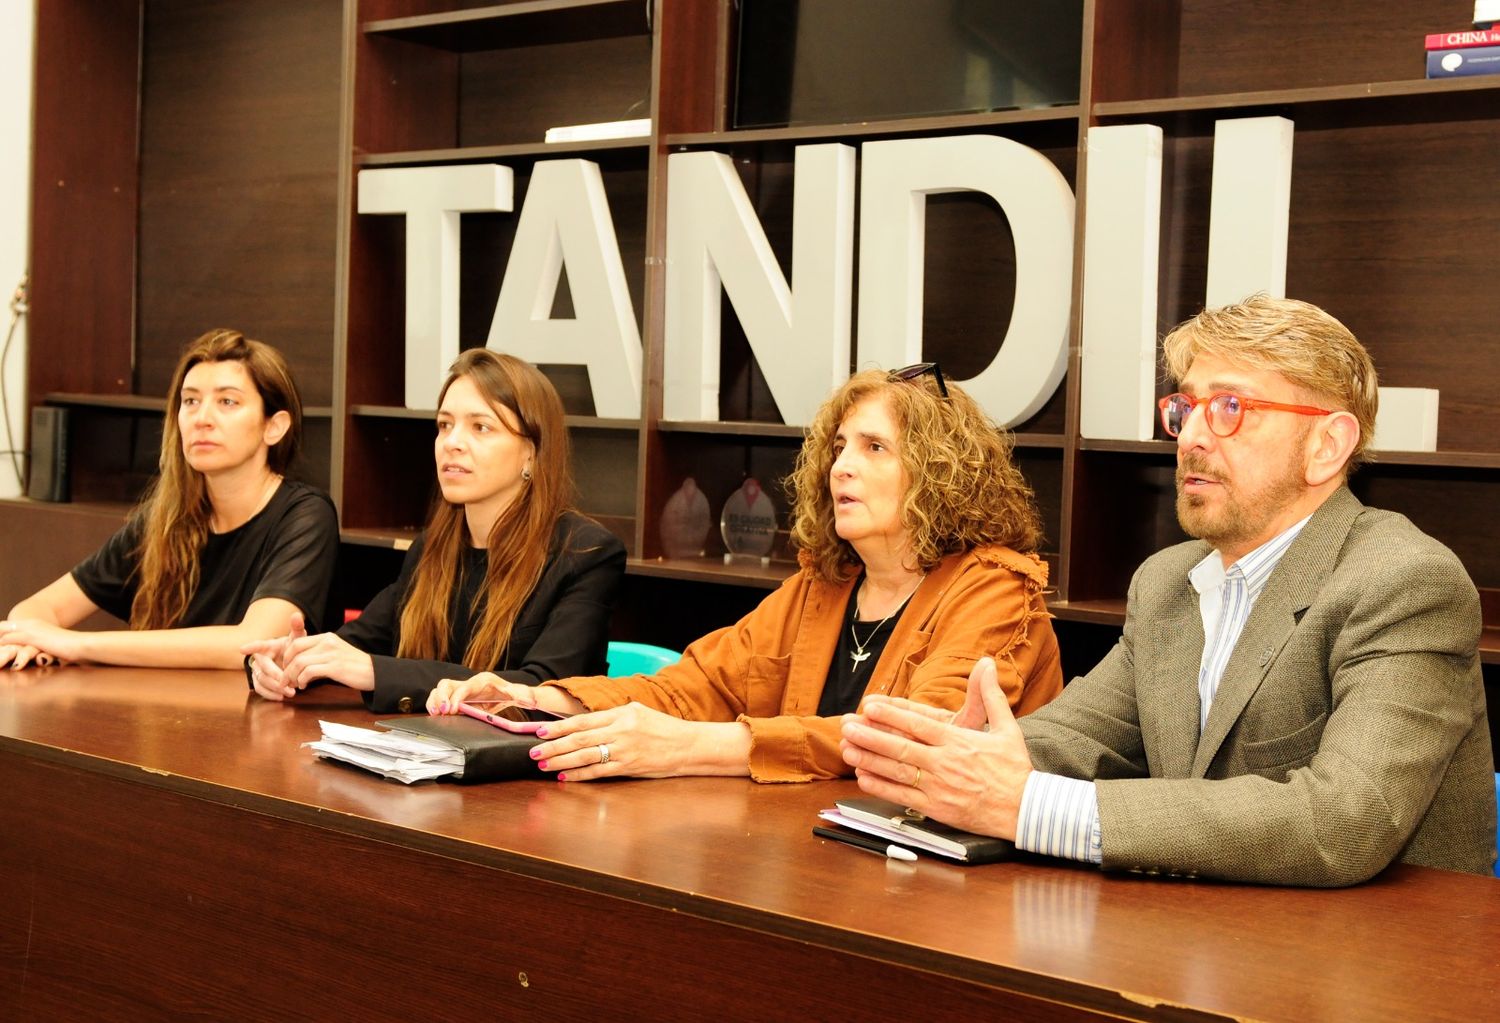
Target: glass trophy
(748, 524)
(685, 522)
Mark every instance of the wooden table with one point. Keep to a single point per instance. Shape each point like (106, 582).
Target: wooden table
(166, 848)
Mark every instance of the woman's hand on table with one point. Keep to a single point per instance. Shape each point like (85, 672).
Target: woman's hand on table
(26, 641)
(280, 668)
(450, 692)
(635, 741)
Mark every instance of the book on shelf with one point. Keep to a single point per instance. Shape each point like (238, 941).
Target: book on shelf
(1464, 39)
(602, 130)
(1476, 60)
(421, 748)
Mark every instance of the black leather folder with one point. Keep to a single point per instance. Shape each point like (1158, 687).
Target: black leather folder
(490, 753)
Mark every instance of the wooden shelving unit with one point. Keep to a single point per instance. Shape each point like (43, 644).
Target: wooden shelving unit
(1393, 193)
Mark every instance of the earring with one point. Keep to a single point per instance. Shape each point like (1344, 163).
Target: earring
(525, 474)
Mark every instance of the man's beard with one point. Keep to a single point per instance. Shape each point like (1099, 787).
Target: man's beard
(1237, 517)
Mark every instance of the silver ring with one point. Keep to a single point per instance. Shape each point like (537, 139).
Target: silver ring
(603, 753)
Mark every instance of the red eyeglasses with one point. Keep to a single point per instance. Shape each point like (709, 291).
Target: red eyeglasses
(1225, 411)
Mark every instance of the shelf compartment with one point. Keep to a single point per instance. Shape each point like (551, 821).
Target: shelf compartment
(533, 23)
(1145, 49)
(512, 72)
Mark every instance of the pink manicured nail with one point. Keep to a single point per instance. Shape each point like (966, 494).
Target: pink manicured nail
(543, 765)
(560, 777)
(541, 733)
(443, 707)
(535, 752)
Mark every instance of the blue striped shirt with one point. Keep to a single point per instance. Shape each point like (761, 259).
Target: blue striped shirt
(1060, 816)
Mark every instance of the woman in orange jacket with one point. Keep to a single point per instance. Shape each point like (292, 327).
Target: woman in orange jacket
(917, 538)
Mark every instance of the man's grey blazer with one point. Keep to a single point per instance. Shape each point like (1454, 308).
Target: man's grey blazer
(1348, 731)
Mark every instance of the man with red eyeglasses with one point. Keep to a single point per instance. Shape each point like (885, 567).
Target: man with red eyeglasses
(1296, 697)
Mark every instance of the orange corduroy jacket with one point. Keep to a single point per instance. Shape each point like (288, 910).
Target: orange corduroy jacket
(768, 669)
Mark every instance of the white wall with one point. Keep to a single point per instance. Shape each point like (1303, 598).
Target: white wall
(16, 30)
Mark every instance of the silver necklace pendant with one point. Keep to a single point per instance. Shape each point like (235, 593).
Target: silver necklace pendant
(859, 654)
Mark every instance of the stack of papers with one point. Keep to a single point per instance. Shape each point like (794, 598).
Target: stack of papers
(400, 756)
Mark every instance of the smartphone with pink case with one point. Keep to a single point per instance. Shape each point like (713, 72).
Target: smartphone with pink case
(507, 714)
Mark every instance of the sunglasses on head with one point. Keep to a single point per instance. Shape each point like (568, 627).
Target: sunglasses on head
(916, 371)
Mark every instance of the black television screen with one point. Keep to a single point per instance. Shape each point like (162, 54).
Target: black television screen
(841, 61)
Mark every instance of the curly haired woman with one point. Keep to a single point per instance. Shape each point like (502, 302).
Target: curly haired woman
(917, 539)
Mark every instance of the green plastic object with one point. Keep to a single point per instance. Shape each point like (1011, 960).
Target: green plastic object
(638, 658)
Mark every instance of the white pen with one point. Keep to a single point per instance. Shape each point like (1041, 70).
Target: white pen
(867, 843)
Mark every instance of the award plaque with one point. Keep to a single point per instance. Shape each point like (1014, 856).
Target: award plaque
(748, 524)
(685, 522)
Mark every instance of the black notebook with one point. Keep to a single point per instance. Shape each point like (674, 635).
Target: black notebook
(490, 753)
(905, 827)
(421, 748)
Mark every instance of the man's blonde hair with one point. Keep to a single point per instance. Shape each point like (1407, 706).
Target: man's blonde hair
(1297, 340)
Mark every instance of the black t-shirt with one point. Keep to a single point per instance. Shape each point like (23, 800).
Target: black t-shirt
(561, 631)
(288, 549)
(847, 678)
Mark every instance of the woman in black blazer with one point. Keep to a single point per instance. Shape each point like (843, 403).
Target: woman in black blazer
(505, 578)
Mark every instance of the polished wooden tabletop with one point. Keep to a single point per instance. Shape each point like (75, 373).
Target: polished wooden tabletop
(1413, 943)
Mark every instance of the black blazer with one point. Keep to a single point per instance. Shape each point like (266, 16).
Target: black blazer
(561, 631)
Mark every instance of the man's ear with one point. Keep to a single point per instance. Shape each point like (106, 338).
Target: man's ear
(276, 428)
(1330, 443)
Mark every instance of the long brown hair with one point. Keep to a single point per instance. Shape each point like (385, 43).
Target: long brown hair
(964, 492)
(520, 539)
(176, 511)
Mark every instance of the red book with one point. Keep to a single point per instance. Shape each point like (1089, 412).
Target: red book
(1462, 40)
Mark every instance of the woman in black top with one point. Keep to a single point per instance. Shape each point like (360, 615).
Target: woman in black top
(503, 579)
(222, 550)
